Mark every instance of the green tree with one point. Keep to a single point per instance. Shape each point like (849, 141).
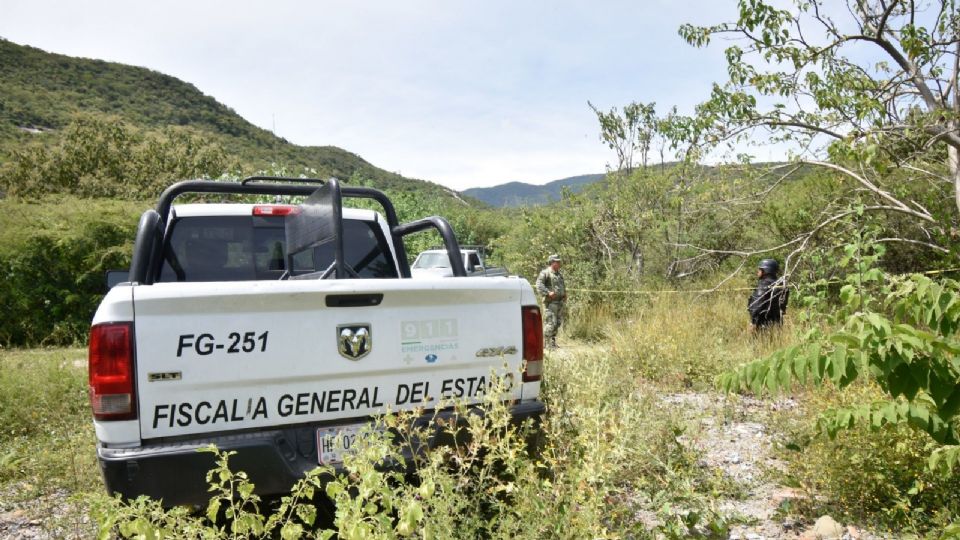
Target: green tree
(865, 88)
(898, 331)
(628, 132)
(103, 156)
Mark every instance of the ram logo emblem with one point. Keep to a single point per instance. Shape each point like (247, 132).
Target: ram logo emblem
(354, 341)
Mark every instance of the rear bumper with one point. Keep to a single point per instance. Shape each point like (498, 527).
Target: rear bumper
(274, 459)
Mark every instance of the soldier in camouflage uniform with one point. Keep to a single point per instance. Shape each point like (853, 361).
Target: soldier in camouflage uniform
(553, 292)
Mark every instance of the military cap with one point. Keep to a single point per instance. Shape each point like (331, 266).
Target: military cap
(554, 258)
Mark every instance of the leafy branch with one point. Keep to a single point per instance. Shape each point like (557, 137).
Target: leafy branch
(903, 337)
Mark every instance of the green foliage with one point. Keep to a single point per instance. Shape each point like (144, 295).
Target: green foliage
(48, 301)
(626, 133)
(53, 260)
(638, 231)
(876, 477)
(898, 331)
(875, 75)
(105, 157)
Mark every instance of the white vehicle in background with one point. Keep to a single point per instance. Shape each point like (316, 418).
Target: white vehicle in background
(434, 263)
(278, 330)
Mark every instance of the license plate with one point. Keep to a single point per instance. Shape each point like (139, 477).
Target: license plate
(335, 442)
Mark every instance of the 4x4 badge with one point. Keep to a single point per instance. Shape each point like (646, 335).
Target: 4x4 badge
(354, 341)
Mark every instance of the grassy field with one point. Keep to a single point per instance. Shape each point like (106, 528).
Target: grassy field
(633, 423)
(47, 461)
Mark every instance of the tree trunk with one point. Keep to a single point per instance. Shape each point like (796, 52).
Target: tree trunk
(953, 153)
(953, 163)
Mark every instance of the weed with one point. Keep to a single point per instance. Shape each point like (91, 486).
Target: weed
(874, 477)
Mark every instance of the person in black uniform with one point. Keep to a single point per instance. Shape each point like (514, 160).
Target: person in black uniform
(768, 302)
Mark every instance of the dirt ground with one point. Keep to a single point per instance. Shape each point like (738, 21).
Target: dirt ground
(732, 436)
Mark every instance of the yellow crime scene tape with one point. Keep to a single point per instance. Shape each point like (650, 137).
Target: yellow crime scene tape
(737, 289)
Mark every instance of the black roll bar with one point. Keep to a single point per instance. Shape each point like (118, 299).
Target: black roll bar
(290, 187)
(147, 246)
(446, 232)
(339, 267)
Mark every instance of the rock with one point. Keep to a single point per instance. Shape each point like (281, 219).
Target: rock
(827, 529)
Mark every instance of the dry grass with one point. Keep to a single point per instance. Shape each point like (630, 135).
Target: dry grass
(684, 340)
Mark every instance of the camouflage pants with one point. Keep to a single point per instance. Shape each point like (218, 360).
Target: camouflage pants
(552, 320)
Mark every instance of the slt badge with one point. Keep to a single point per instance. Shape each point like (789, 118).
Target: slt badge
(354, 341)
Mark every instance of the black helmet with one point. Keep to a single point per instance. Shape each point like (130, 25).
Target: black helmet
(769, 266)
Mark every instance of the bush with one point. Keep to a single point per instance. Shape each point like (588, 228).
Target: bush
(878, 478)
(103, 156)
(53, 267)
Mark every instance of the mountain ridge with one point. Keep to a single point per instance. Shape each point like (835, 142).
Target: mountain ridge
(40, 92)
(513, 194)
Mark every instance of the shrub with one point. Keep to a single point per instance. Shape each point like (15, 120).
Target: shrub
(53, 260)
(52, 287)
(898, 336)
(878, 477)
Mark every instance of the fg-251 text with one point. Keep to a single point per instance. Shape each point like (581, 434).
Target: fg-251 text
(236, 342)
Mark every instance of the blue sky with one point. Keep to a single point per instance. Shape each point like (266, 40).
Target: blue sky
(465, 94)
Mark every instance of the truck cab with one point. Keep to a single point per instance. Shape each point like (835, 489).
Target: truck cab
(436, 262)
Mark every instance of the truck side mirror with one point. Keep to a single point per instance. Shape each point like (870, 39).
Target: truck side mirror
(115, 277)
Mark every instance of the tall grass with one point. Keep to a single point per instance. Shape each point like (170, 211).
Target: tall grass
(46, 436)
(681, 340)
(47, 456)
(613, 463)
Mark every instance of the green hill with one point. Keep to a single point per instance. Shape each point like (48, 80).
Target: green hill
(41, 93)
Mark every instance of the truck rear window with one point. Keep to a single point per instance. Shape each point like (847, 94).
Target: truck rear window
(432, 260)
(241, 248)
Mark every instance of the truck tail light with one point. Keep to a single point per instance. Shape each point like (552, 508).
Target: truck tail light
(111, 372)
(532, 343)
(274, 209)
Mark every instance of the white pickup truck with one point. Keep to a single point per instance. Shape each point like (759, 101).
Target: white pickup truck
(434, 263)
(277, 330)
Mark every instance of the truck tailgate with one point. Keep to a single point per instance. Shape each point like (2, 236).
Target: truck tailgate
(214, 357)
